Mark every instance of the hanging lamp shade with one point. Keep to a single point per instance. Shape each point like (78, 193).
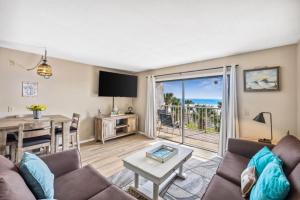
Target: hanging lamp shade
(44, 69)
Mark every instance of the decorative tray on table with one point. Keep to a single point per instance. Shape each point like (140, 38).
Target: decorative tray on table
(162, 153)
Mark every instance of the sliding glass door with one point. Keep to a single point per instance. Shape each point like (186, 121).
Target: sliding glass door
(169, 97)
(203, 97)
(189, 111)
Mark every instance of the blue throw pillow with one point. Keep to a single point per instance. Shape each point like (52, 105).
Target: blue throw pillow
(38, 176)
(272, 184)
(261, 159)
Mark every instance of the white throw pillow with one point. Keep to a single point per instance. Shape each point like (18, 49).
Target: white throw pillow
(248, 179)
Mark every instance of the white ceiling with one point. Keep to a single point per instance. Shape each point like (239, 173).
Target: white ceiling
(137, 35)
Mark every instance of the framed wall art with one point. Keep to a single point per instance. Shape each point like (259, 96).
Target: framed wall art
(29, 89)
(261, 79)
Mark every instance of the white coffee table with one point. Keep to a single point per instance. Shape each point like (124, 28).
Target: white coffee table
(155, 171)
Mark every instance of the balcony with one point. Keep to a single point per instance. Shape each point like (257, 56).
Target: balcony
(201, 125)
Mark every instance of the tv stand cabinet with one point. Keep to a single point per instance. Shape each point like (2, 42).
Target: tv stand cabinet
(110, 127)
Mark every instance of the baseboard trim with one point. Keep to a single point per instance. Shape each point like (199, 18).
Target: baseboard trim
(93, 139)
(143, 133)
(87, 140)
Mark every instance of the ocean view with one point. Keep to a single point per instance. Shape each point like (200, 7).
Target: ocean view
(211, 102)
(202, 91)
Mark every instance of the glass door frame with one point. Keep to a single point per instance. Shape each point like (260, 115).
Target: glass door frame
(182, 111)
(182, 122)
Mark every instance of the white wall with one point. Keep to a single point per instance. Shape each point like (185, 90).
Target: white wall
(282, 104)
(73, 88)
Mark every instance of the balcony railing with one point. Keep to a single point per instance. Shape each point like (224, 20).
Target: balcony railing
(200, 118)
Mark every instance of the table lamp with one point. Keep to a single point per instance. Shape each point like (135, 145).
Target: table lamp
(260, 118)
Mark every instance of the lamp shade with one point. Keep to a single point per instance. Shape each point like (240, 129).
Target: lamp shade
(44, 70)
(260, 118)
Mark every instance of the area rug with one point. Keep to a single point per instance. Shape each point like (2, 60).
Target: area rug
(199, 174)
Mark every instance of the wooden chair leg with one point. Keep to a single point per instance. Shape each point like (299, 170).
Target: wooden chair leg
(48, 148)
(72, 141)
(19, 155)
(56, 143)
(77, 141)
(13, 153)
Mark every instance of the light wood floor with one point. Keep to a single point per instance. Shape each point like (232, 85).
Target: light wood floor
(107, 158)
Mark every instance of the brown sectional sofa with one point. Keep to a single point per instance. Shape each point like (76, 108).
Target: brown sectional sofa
(72, 182)
(226, 183)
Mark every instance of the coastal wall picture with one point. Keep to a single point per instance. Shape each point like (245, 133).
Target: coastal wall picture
(262, 79)
(29, 89)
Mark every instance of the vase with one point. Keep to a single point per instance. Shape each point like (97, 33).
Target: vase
(37, 114)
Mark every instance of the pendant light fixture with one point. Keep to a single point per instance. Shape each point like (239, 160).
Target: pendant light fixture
(43, 69)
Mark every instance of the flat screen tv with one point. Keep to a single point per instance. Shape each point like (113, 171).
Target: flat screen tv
(117, 85)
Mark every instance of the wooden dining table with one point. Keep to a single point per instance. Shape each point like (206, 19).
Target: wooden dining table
(11, 124)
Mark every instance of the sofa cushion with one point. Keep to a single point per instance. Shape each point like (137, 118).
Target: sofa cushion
(80, 184)
(261, 159)
(232, 167)
(112, 193)
(37, 175)
(6, 164)
(220, 188)
(63, 162)
(5, 191)
(288, 150)
(294, 179)
(248, 180)
(272, 183)
(15, 181)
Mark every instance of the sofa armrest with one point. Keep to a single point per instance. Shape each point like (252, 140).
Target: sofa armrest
(63, 162)
(245, 148)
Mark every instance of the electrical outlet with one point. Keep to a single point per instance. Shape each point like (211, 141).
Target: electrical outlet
(10, 109)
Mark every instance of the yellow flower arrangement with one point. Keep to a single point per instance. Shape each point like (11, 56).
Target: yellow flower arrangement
(37, 107)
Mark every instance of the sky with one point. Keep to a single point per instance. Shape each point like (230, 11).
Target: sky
(201, 88)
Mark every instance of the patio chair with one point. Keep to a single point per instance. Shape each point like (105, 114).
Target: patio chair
(167, 121)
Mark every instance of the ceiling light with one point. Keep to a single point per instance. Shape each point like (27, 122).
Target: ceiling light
(43, 69)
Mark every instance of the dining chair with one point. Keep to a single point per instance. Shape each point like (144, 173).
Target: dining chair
(35, 136)
(11, 141)
(74, 133)
(11, 144)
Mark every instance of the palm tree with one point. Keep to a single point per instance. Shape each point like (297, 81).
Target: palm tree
(188, 101)
(175, 101)
(170, 99)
